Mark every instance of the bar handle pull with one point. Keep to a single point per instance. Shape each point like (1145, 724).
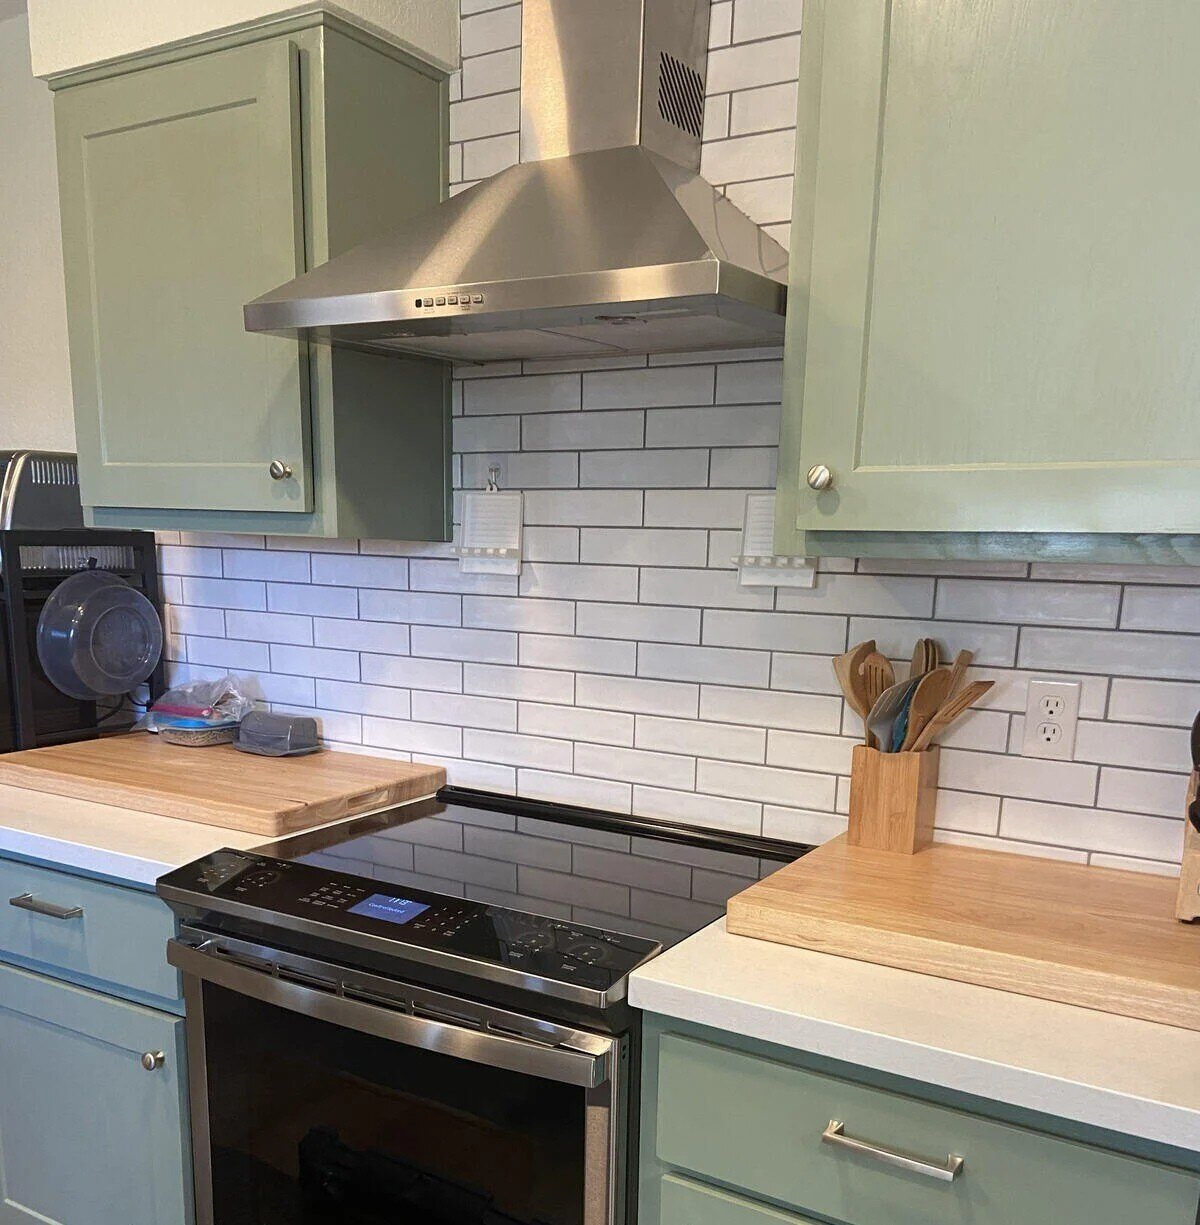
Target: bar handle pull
(835, 1134)
(26, 901)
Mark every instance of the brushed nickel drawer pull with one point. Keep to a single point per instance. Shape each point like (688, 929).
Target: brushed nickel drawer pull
(835, 1134)
(26, 901)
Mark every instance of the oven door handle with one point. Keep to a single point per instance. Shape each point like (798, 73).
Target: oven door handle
(585, 1068)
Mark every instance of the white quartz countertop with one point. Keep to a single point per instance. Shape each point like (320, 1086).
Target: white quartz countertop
(98, 839)
(1129, 1076)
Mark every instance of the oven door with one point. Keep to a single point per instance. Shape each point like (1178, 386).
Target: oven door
(325, 1096)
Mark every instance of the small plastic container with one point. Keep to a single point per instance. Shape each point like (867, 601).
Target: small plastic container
(271, 735)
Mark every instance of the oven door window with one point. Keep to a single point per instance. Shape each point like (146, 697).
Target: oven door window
(314, 1124)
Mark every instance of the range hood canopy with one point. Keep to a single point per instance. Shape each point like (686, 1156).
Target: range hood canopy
(603, 240)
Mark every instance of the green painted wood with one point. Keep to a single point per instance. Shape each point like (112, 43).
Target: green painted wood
(765, 1138)
(1111, 549)
(180, 191)
(685, 1202)
(88, 1136)
(1000, 333)
(374, 134)
(118, 945)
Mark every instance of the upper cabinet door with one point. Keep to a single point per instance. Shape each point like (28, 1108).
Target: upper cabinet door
(995, 321)
(181, 200)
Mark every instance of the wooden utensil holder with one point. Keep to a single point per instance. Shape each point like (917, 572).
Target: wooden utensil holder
(893, 797)
(1187, 905)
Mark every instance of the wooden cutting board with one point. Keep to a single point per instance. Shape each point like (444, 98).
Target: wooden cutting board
(218, 785)
(1095, 937)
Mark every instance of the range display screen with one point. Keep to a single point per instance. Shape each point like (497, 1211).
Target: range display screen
(389, 909)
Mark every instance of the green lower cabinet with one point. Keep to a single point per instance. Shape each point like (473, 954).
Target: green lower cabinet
(88, 1136)
(734, 1133)
(194, 181)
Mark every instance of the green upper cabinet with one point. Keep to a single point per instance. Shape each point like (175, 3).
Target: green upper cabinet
(995, 307)
(194, 181)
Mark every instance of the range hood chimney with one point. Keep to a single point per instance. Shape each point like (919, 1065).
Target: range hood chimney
(603, 240)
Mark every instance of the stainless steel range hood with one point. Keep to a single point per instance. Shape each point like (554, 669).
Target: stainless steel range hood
(603, 240)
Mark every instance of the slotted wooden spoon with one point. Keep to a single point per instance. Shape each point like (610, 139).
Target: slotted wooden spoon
(877, 676)
(949, 712)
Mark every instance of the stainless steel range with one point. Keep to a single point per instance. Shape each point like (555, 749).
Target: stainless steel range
(422, 1015)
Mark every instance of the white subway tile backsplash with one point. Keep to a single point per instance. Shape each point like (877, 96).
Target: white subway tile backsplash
(482, 646)
(576, 653)
(267, 627)
(716, 740)
(638, 622)
(683, 469)
(639, 546)
(613, 431)
(635, 472)
(715, 665)
(576, 723)
(1029, 603)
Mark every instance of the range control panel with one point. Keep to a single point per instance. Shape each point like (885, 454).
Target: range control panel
(532, 945)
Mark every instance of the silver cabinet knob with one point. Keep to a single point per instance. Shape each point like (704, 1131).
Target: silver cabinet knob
(279, 470)
(153, 1060)
(820, 478)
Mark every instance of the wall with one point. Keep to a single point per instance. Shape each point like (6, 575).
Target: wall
(69, 34)
(626, 669)
(35, 391)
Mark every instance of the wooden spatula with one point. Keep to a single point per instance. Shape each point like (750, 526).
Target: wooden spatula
(924, 657)
(927, 699)
(848, 670)
(949, 712)
(962, 661)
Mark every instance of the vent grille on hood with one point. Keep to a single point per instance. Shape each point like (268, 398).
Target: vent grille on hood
(604, 239)
(680, 95)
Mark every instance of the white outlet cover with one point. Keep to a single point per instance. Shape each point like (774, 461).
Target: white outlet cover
(1051, 705)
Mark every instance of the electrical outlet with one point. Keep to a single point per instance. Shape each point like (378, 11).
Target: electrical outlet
(1051, 719)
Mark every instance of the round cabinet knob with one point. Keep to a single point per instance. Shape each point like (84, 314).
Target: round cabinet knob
(279, 470)
(153, 1060)
(820, 478)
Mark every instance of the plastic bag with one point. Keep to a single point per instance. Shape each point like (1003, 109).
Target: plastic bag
(200, 705)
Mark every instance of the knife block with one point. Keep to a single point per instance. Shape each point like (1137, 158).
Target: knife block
(1187, 905)
(893, 797)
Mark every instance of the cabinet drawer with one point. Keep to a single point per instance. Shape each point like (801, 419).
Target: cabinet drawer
(119, 942)
(754, 1123)
(688, 1203)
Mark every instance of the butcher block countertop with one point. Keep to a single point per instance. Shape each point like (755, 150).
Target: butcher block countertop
(118, 843)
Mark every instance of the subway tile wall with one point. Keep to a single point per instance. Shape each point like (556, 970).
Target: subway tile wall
(626, 669)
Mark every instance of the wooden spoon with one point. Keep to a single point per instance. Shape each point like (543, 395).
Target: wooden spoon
(928, 698)
(877, 676)
(949, 712)
(847, 669)
(962, 661)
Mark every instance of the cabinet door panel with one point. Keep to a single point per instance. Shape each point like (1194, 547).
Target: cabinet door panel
(87, 1135)
(181, 200)
(996, 225)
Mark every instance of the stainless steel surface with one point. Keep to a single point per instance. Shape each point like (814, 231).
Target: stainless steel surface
(39, 489)
(153, 1060)
(279, 470)
(415, 1017)
(608, 243)
(602, 74)
(26, 901)
(819, 477)
(599, 1065)
(835, 1135)
(465, 965)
